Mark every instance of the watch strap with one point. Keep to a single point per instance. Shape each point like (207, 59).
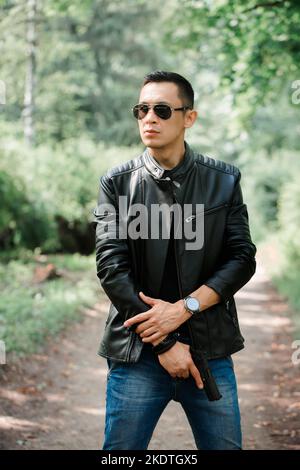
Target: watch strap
(165, 344)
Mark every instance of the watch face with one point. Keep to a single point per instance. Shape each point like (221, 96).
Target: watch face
(192, 304)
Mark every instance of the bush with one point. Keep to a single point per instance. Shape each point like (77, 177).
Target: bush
(263, 179)
(50, 193)
(21, 223)
(289, 219)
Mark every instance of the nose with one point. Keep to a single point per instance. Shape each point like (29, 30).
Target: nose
(150, 116)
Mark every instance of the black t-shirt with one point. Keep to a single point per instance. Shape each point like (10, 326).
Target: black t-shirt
(169, 290)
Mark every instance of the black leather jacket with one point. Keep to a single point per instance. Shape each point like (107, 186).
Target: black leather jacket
(225, 262)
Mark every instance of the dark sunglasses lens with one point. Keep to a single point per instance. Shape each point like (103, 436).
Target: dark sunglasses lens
(163, 111)
(140, 111)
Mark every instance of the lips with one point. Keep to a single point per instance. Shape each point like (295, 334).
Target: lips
(150, 131)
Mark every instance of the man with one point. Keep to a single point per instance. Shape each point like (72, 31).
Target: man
(169, 294)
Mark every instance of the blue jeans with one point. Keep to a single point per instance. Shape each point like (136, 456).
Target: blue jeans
(138, 393)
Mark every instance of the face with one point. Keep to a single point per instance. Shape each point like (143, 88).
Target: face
(165, 132)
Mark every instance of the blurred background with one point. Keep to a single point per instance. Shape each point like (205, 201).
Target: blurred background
(70, 71)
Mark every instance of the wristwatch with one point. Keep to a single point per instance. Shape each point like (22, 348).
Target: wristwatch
(192, 304)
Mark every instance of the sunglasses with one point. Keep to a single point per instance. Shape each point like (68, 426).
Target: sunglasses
(163, 111)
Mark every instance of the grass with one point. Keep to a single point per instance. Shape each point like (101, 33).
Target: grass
(30, 312)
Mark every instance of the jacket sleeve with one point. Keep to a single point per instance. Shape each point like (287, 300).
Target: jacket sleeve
(112, 256)
(238, 258)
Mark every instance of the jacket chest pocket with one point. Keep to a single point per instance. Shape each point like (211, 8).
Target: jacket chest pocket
(201, 224)
(205, 212)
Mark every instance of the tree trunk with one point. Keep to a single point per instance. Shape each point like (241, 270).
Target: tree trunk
(30, 80)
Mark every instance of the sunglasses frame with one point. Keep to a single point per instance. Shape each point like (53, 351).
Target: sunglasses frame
(182, 108)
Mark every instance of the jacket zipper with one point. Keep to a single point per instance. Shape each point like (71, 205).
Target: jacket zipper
(133, 335)
(178, 270)
(209, 211)
(213, 209)
(233, 318)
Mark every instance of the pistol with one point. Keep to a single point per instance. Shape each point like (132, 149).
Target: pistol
(209, 383)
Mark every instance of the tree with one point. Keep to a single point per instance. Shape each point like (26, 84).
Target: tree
(92, 56)
(255, 45)
(30, 80)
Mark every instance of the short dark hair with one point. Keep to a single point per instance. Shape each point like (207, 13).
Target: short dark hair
(185, 90)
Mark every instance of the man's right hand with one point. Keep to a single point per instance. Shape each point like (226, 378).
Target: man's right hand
(179, 363)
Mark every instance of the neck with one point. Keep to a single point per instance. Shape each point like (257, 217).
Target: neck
(169, 156)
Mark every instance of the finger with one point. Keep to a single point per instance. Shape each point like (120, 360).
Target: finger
(150, 339)
(196, 374)
(137, 318)
(183, 376)
(147, 299)
(147, 331)
(142, 327)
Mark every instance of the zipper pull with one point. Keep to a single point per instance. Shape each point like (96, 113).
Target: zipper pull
(189, 218)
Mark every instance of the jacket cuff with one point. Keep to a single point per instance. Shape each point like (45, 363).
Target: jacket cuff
(224, 295)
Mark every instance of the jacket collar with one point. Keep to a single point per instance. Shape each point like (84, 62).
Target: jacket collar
(158, 172)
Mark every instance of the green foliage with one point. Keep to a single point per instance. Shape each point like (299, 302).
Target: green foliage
(91, 57)
(263, 180)
(242, 59)
(75, 263)
(48, 192)
(281, 245)
(30, 313)
(289, 217)
(254, 45)
(21, 223)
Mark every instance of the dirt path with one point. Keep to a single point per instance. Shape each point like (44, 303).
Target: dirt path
(56, 399)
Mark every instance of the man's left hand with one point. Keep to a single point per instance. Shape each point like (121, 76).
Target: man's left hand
(160, 320)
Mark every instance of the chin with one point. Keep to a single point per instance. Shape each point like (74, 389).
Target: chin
(152, 143)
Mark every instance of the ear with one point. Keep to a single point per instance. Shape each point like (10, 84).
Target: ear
(190, 117)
